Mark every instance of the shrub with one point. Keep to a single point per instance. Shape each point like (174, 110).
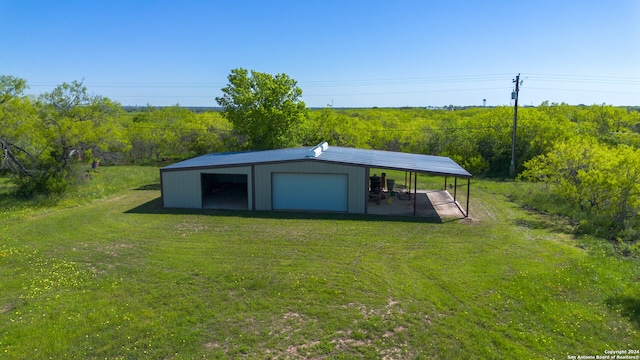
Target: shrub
(600, 182)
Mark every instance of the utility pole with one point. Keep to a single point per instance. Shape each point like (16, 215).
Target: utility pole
(514, 95)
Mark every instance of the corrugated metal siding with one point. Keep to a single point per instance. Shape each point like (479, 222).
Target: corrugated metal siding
(357, 179)
(182, 189)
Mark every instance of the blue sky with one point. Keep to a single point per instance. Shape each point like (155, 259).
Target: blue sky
(345, 53)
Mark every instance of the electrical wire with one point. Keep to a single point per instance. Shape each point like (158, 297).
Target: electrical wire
(388, 83)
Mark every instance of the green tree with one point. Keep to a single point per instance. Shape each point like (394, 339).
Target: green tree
(603, 181)
(75, 122)
(176, 133)
(335, 128)
(16, 116)
(48, 137)
(265, 109)
(11, 87)
(141, 131)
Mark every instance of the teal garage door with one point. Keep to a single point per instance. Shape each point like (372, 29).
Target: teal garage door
(306, 191)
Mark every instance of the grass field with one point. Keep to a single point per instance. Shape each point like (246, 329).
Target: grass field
(107, 273)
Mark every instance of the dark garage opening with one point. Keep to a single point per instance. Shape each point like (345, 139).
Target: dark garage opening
(224, 191)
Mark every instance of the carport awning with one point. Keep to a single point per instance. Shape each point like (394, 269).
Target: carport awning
(437, 165)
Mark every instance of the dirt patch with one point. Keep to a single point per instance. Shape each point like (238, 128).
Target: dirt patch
(186, 228)
(115, 249)
(8, 307)
(470, 221)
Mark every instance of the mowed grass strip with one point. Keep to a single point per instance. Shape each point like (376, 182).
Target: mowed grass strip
(123, 278)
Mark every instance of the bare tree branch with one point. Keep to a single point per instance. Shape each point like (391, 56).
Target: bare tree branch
(10, 161)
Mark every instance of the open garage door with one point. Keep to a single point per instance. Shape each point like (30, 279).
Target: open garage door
(224, 191)
(312, 192)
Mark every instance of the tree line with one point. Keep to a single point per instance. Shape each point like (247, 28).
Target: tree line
(587, 155)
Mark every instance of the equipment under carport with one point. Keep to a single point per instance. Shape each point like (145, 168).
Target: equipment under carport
(375, 191)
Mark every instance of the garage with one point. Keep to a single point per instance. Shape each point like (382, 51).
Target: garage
(309, 191)
(320, 179)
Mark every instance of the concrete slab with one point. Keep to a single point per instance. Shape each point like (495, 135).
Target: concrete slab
(429, 203)
(444, 204)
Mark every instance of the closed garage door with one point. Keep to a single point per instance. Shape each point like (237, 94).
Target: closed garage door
(315, 192)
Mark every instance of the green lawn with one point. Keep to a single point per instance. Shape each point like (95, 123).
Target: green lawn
(120, 277)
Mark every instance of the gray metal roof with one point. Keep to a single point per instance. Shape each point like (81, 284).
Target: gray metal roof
(437, 165)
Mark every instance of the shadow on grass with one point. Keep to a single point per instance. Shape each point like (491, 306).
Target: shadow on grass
(534, 223)
(155, 207)
(543, 221)
(629, 307)
(149, 187)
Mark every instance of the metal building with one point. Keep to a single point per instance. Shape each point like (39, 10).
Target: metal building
(323, 178)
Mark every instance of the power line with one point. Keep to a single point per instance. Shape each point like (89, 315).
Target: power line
(384, 86)
(408, 92)
(596, 79)
(586, 90)
(370, 82)
(404, 81)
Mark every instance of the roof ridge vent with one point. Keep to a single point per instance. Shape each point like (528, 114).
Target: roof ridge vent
(317, 150)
